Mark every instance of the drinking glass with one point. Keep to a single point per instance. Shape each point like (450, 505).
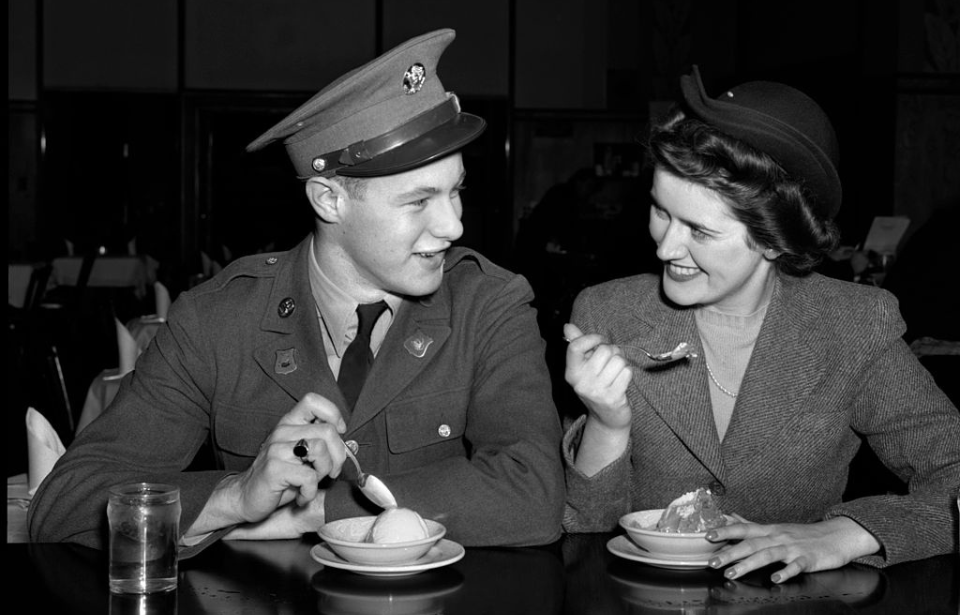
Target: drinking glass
(144, 521)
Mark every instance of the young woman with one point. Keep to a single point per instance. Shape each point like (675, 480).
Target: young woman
(792, 368)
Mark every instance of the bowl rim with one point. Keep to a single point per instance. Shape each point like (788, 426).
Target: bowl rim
(437, 531)
(624, 523)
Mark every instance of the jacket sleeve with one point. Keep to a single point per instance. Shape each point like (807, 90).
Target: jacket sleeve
(150, 433)
(594, 503)
(914, 429)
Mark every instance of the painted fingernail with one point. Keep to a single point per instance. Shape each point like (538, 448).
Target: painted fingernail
(730, 573)
(714, 563)
(711, 536)
(776, 578)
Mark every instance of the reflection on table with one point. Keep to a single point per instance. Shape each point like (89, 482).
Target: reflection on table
(103, 389)
(574, 576)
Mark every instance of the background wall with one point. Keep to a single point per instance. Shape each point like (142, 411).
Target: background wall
(129, 118)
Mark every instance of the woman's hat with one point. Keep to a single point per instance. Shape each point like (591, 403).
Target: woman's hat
(780, 121)
(387, 116)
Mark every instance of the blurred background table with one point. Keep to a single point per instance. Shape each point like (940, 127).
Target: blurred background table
(18, 282)
(137, 272)
(17, 500)
(103, 389)
(574, 576)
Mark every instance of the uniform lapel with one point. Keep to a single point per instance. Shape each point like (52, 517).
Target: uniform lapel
(678, 391)
(292, 353)
(420, 331)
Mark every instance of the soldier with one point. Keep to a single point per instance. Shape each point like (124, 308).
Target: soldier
(456, 415)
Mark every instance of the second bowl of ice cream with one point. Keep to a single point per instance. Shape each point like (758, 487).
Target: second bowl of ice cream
(395, 537)
(679, 531)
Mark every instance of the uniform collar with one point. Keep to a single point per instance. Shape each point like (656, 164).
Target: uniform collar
(336, 308)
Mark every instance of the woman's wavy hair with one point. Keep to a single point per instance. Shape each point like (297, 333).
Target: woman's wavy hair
(774, 206)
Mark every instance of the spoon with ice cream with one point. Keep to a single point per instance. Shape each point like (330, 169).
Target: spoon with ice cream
(393, 525)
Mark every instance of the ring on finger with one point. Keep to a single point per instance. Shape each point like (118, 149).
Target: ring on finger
(300, 449)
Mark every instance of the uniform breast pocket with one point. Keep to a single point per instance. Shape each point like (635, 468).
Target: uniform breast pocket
(239, 432)
(427, 428)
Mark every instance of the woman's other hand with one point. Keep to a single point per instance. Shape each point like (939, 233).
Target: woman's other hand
(803, 547)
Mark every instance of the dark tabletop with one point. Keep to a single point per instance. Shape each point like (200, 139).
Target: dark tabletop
(574, 576)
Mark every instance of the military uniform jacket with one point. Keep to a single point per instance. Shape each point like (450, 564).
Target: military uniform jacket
(456, 415)
(829, 364)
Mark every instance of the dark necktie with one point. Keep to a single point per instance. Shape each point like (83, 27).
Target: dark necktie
(358, 357)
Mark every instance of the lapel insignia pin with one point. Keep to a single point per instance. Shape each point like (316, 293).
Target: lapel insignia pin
(418, 344)
(286, 361)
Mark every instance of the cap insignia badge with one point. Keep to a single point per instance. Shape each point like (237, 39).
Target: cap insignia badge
(418, 344)
(414, 77)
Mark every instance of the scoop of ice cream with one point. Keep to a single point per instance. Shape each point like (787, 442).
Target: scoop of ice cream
(693, 512)
(397, 525)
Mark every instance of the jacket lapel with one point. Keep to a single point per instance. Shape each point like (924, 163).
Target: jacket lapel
(783, 370)
(292, 353)
(420, 331)
(677, 391)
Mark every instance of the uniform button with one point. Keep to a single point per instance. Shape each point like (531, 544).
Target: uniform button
(717, 489)
(272, 260)
(286, 307)
(444, 431)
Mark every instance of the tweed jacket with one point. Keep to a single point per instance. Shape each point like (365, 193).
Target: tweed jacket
(829, 365)
(456, 415)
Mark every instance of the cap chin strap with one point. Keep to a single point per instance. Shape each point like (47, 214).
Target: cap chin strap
(362, 151)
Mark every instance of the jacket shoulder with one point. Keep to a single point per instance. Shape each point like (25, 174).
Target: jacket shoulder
(251, 268)
(635, 290)
(841, 308)
(465, 261)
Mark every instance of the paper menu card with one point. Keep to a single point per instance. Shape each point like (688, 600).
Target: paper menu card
(885, 234)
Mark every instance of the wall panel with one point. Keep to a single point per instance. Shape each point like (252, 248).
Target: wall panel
(284, 45)
(21, 50)
(561, 54)
(110, 45)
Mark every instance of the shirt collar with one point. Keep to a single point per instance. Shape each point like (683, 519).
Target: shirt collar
(336, 308)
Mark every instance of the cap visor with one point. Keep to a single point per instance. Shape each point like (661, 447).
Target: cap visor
(442, 140)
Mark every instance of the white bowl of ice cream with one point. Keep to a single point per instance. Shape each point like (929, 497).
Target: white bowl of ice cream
(395, 537)
(678, 532)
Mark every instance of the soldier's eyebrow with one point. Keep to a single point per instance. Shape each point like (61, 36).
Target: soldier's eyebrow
(429, 190)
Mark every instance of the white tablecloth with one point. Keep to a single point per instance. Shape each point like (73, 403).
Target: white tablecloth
(17, 500)
(105, 386)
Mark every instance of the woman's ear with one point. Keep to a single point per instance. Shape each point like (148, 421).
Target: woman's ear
(326, 197)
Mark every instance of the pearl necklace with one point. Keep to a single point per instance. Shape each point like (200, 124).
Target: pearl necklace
(717, 382)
